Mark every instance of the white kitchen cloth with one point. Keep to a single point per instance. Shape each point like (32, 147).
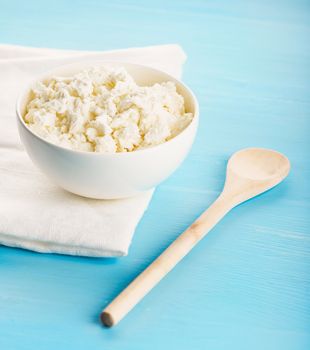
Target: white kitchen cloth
(35, 214)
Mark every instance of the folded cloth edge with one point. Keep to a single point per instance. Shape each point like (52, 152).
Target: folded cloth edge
(34, 54)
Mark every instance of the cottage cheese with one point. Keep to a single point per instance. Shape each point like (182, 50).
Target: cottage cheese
(104, 110)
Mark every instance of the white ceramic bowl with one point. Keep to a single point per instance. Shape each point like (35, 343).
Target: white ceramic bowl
(109, 176)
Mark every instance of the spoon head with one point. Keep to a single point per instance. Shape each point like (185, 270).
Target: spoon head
(252, 171)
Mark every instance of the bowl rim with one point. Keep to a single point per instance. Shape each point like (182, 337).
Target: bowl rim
(94, 63)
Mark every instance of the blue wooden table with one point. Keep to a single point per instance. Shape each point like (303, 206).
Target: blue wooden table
(247, 285)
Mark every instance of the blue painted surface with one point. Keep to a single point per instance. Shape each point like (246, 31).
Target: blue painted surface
(247, 285)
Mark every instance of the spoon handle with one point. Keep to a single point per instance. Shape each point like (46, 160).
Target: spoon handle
(142, 284)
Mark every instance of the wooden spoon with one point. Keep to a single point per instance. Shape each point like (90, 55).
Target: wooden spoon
(249, 173)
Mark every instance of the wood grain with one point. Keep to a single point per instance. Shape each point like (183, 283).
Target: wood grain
(250, 172)
(247, 286)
